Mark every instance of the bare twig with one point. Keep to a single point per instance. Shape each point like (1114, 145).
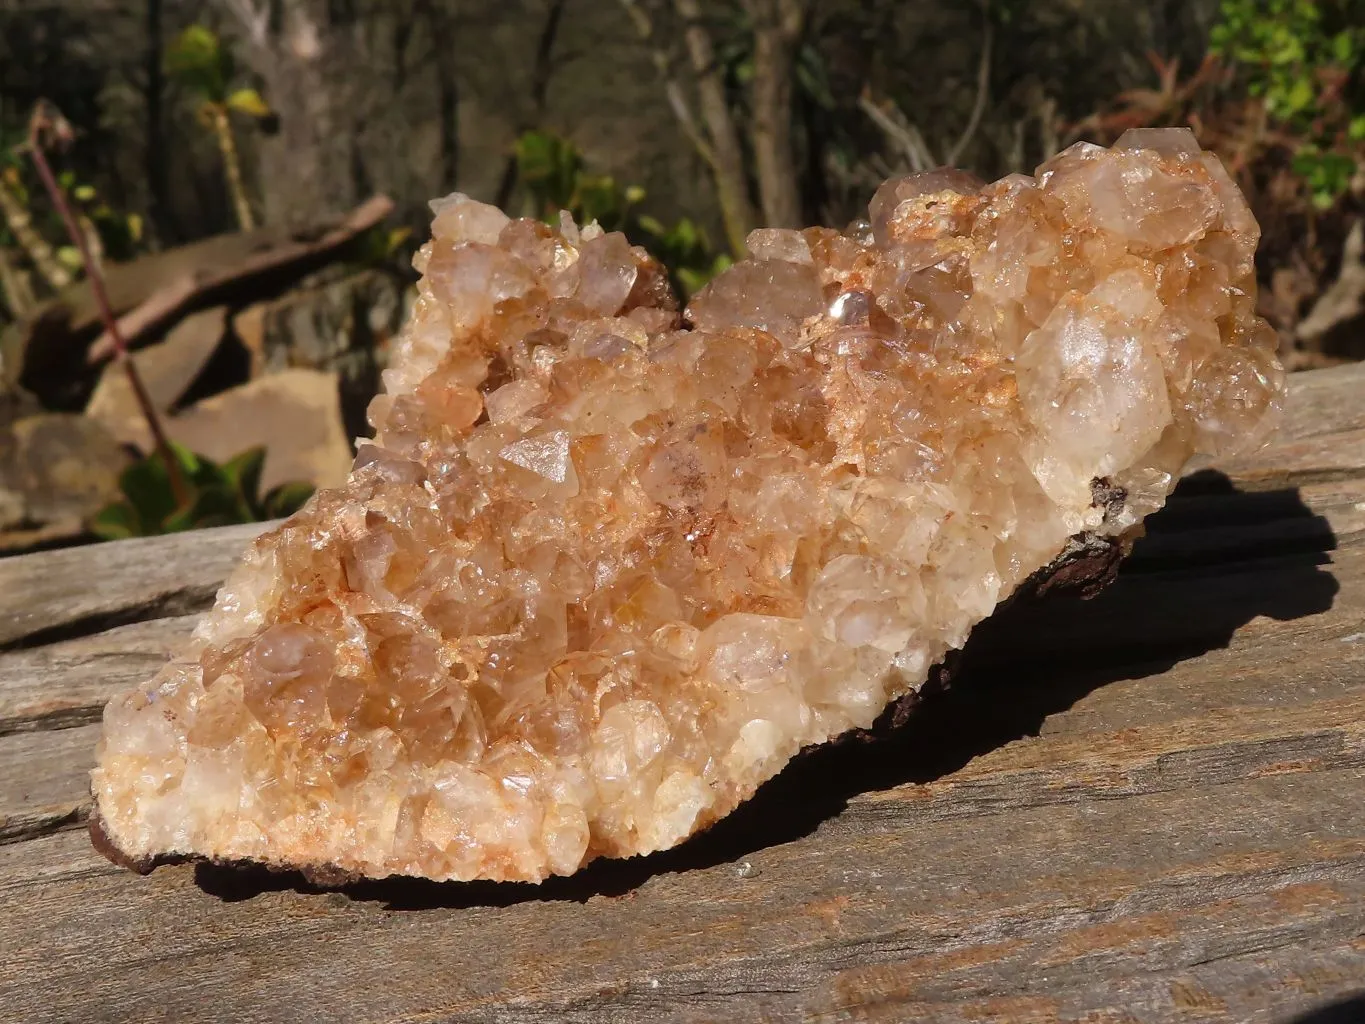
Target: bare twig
(983, 88)
(732, 184)
(47, 123)
(217, 115)
(887, 116)
(777, 29)
(1343, 302)
(663, 64)
(1049, 143)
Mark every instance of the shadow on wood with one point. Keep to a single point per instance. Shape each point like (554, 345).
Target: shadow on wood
(1188, 586)
(1347, 1011)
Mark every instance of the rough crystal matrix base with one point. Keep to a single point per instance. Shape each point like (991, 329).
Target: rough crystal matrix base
(601, 574)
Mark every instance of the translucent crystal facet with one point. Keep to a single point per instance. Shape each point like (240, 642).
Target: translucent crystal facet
(605, 569)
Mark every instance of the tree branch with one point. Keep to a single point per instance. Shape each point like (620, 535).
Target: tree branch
(193, 289)
(777, 27)
(887, 116)
(732, 183)
(1343, 302)
(45, 122)
(663, 64)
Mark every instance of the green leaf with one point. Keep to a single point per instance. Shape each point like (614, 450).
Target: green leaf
(249, 102)
(1300, 96)
(70, 257)
(147, 486)
(199, 62)
(116, 521)
(599, 199)
(243, 472)
(199, 470)
(83, 193)
(213, 506)
(651, 225)
(549, 168)
(1343, 47)
(286, 499)
(219, 505)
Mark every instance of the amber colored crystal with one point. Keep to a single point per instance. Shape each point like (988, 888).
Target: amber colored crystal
(600, 574)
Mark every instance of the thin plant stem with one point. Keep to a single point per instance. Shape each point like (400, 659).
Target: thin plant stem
(232, 166)
(37, 124)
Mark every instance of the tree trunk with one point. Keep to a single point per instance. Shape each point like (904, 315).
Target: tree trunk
(732, 184)
(35, 247)
(441, 25)
(777, 26)
(542, 71)
(232, 167)
(308, 166)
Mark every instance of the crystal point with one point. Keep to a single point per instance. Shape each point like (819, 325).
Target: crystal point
(598, 577)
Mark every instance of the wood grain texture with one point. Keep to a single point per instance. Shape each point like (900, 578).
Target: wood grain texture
(1140, 809)
(67, 683)
(78, 591)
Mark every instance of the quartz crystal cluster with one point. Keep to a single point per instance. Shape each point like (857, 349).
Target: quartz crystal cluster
(608, 565)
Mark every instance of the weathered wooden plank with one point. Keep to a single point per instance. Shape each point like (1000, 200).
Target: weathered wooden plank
(55, 594)
(1206, 747)
(67, 683)
(1287, 463)
(1143, 808)
(1133, 668)
(1094, 906)
(44, 781)
(1324, 402)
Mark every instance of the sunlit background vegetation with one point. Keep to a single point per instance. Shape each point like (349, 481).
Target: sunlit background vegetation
(683, 123)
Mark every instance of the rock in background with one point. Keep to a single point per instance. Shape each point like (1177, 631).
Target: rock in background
(290, 363)
(339, 322)
(56, 470)
(294, 414)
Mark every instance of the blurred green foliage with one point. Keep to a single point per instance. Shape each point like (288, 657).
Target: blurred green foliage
(1306, 60)
(220, 495)
(199, 61)
(120, 235)
(551, 170)
(685, 250)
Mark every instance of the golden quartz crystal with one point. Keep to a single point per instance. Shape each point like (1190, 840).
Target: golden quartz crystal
(605, 568)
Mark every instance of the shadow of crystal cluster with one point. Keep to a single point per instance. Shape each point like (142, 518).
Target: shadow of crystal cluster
(607, 566)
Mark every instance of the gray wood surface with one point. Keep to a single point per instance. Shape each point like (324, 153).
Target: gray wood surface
(1144, 808)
